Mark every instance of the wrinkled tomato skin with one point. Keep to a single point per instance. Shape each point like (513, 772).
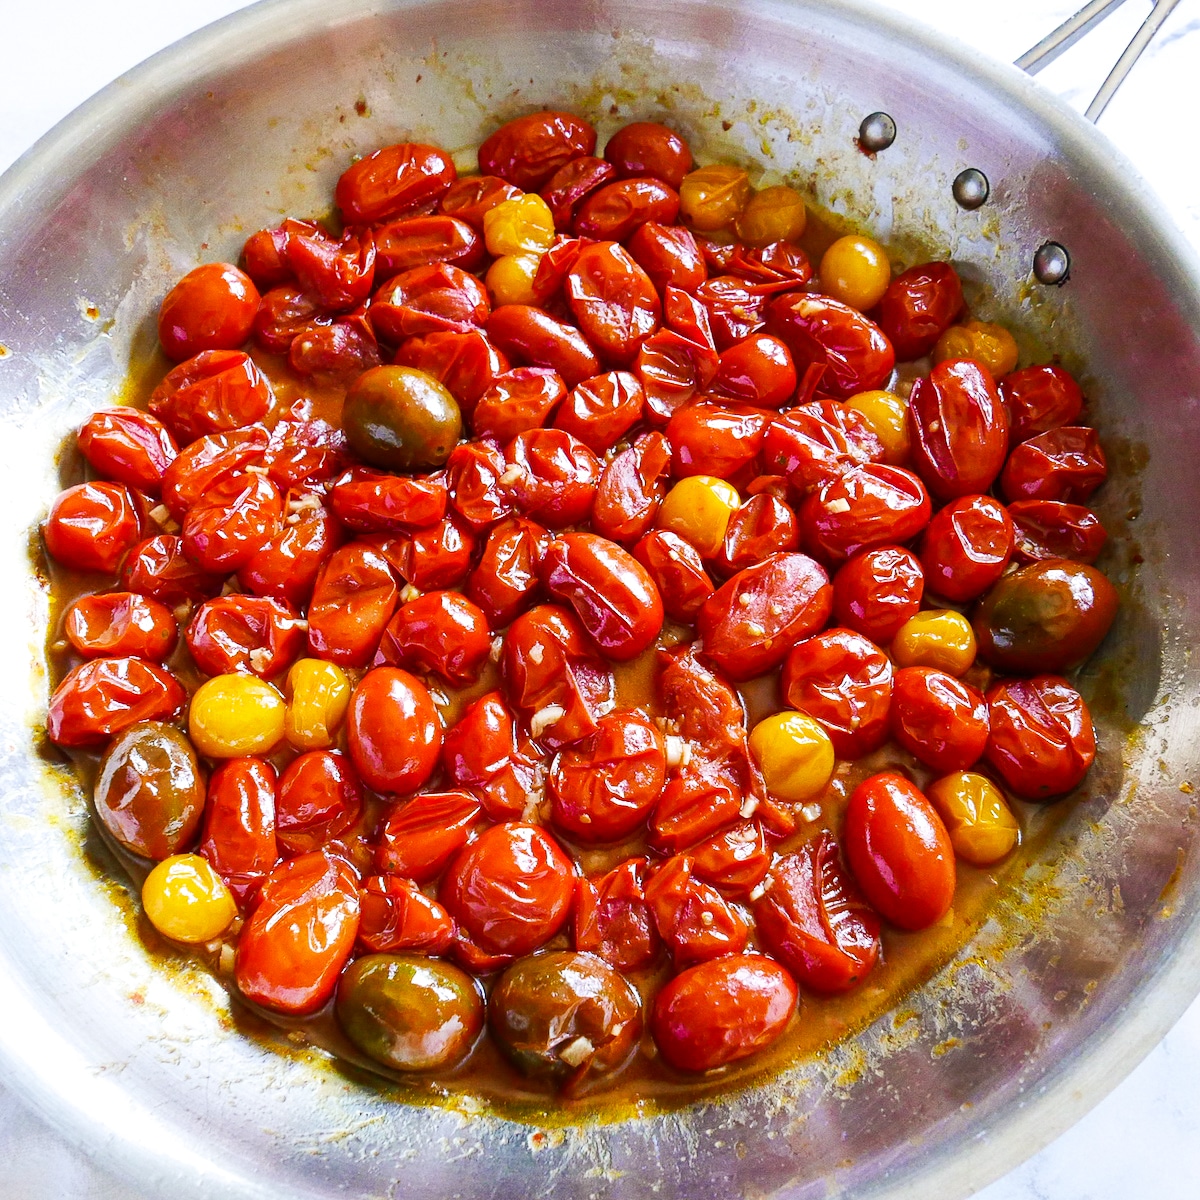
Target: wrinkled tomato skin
(899, 851)
(128, 447)
(958, 429)
(532, 336)
(1064, 464)
(938, 719)
(527, 151)
(420, 241)
(919, 306)
(735, 859)
(511, 890)
(1038, 399)
(680, 903)
(877, 591)
(423, 834)
(393, 731)
(441, 632)
(285, 313)
(735, 307)
(470, 198)
(789, 598)
(1042, 741)
(430, 559)
(464, 363)
(645, 148)
(705, 708)
(715, 439)
(558, 476)
(473, 473)
(819, 331)
(370, 501)
(92, 526)
(1044, 617)
(571, 184)
(100, 698)
(305, 452)
(616, 210)
(613, 920)
(225, 634)
(612, 300)
(966, 547)
(699, 800)
(264, 256)
(232, 523)
(631, 489)
(843, 680)
(352, 601)
(120, 625)
(339, 352)
(518, 401)
(287, 566)
(602, 409)
(338, 273)
(319, 799)
(300, 934)
(1052, 529)
(507, 577)
(719, 1012)
(439, 298)
(669, 256)
(763, 526)
(758, 370)
(883, 504)
(393, 181)
(678, 573)
(398, 917)
(210, 460)
(813, 920)
(211, 308)
(612, 595)
(159, 568)
(812, 444)
(214, 392)
(673, 369)
(238, 838)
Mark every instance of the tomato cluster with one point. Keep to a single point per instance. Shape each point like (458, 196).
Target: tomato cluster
(610, 447)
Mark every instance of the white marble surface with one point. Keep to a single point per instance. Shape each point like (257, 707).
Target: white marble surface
(1142, 1141)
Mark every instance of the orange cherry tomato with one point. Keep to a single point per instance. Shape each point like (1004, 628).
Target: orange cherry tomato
(244, 633)
(631, 488)
(669, 256)
(556, 477)
(319, 799)
(128, 447)
(100, 698)
(159, 568)
(613, 920)
(877, 591)
(352, 602)
(469, 199)
(966, 547)
(239, 825)
(1038, 399)
(211, 308)
(392, 182)
(694, 920)
(813, 444)
(370, 501)
(473, 473)
(647, 148)
(733, 860)
(757, 370)
(119, 625)
(1065, 464)
(920, 304)
(397, 917)
(572, 183)
(938, 719)
(504, 582)
(677, 570)
(899, 851)
(863, 508)
(527, 151)
(616, 210)
(439, 298)
(601, 410)
(1052, 529)
(287, 565)
(92, 526)
(421, 241)
(300, 935)
(210, 460)
(442, 632)
(763, 526)
(517, 401)
(235, 519)
(394, 732)
(463, 363)
(532, 336)
(612, 300)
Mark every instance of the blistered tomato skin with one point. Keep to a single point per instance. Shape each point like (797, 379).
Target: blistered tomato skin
(966, 547)
(244, 633)
(506, 577)
(119, 624)
(938, 719)
(1038, 399)
(677, 571)
(319, 799)
(393, 182)
(128, 447)
(527, 151)
(981, 825)
(878, 591)
(918, 306)
(864, 508)
(1066, 464)
(758, 371)
(210, 308)
(669, 256)
(106, 695)
(442, 632)
(394, 732)
(532, 336)
(612, 300)
(397, 915)
(352, 602)
(899, 851)
(421, 835)
(556, 477)
(92, 526)
(1053, 529)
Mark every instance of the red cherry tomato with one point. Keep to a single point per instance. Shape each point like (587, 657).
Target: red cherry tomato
(775, 267)
(763, 526)
(843, 680)
(719, 1012)
(705, 708)
(352, 601)
(813, 444)
(92, 526)
(613, 920)
(787, 597)
(319, 799)
(966, 547)
(128, 447)
(394, 732)
(239, 825)
(669, 256)
(288, 564)
(877, 591)
(602, 409)
(441, 632)
(306, 452)
(211, 308)
(208, 461)
(264, 255)
(214, 392)
(678, 573)
(232, 523)
(504, 582)
(673, 369)
(421, 241)
(423, 834)
(527, 151)
(612, 300)
(370, 501)
(253, 634)
(812, 918)
(392, 182)
(612, 595)
(602, 788)
(556, 477)
(551, 273)
(695, 921)
(1042, 741)
(631, 488)
(647, 148)
(899, 851)
(1038, 399)
(532, 336)
(439, 298)
(339, 274)
(119, 625)
(735, 308)
(464, 363)
(511, 890)
(284, 313)
(733, 860)
(919, 305)
(715, 439)
(100, 698)
(616, 210)
(473, 473)
(571, 183)
(863, 508)
(398, 918)
(337, 353)
(1065, 464)
(938, 719)
(433, 558)
(300, 935)
(1052, 529)
(699, 800)
(758, 370)
(159, 568)
(469, 199)
(518, 401)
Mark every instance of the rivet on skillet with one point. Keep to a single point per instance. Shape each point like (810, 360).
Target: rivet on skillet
(877, 132)
(971, 188)
(1052, 264)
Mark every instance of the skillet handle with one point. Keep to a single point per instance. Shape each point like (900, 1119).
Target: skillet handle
(1076, 27)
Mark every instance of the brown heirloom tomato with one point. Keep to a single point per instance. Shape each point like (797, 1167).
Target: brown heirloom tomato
(214, 392)
(397, 915)
(517, 401)
(813, 444)
(863, 508)
(528, 150)
(92, 526)
(106, 695)
(394, 732)
(239, 825)
(319, 799)
(532, 336)
(877, 591)
(506, 578)
(694, 920)
(392, 182)
(1063, 464)
(556, 476)
(120, 624)
(352, 602)
(602, 409)
(719, 1012)
(616, 210)
(646, 148)
(158, 567)
(612, 300)
(438, 631)
(127, 446)
(211, 308)
(571, 183)
(421, 835)
(899, 851)
(613, 920)
(1052, 529)
(938, 719)
(966, 547)
(300, 934)
(678, 573)
(813, 919)
(244, 633)
(419, 241)
(919, 306)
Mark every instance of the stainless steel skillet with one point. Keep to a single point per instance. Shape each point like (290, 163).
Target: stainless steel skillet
(243, 122)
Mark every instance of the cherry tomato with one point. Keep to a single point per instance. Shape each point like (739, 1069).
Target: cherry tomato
(813, 919)
(421, 241)
(715, 439)
(878, 591)
(211, 308)
(433, 558)
(616, 210)
(319, 799)
(441, 632)
(463, 363)
(92, 526)
(733, 860)
(439, 298)
(1038, 399)
(612, 300)
(843, 680)
(695, 921)
(602, 409)
(339, 274)
(423, 834)
(159, 568)
(966, 547)
(233, 522)
(507, 576)
(920, 304)
(553, 677)
(612, 595)
(958, 429)
(613, 920)
(603, 787)
(392, 182)
(735, 308)
(370, 501)
(284, 313)
(352, 601)
(556, 476)
(394, 733)
(571, 183)
(550, 271)
(264, 255)
(305, 452)
(669, 256)
(214, 392)
(1045, 617)
(705, 708)
(646, 148)
(938, 719)
(813, 444)
(128, 447)
(473, 473)
(398, 916)
(856, 355)
(239, 825)
(698, 801)
(678, 573)
(244, 633)
(1065, 464)
(631, 488)
(786, 597)
(100, 698)
(763, 526)
(518, 401)
(673, 369)
(287, 565)
(511, 890)
(758, 370)
(863, 508)
(300, 934)
(532, 336)
(469, 199)
(337, 353)
(208, 461)
(779, 266)
(1042, 741)
(119, 625)
(528, 150)
(1052, 529)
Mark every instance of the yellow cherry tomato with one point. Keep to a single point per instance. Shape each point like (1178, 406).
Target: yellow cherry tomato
(234, 715)
(794, 753)
(887, 415)
(776, 214)
(713, 197)
(509, 280)
(982, 827)
(698, 508)
(318, 694)
(856, 271)
(523, 225)
(186, 900)
(938, 638)
(992, 346)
